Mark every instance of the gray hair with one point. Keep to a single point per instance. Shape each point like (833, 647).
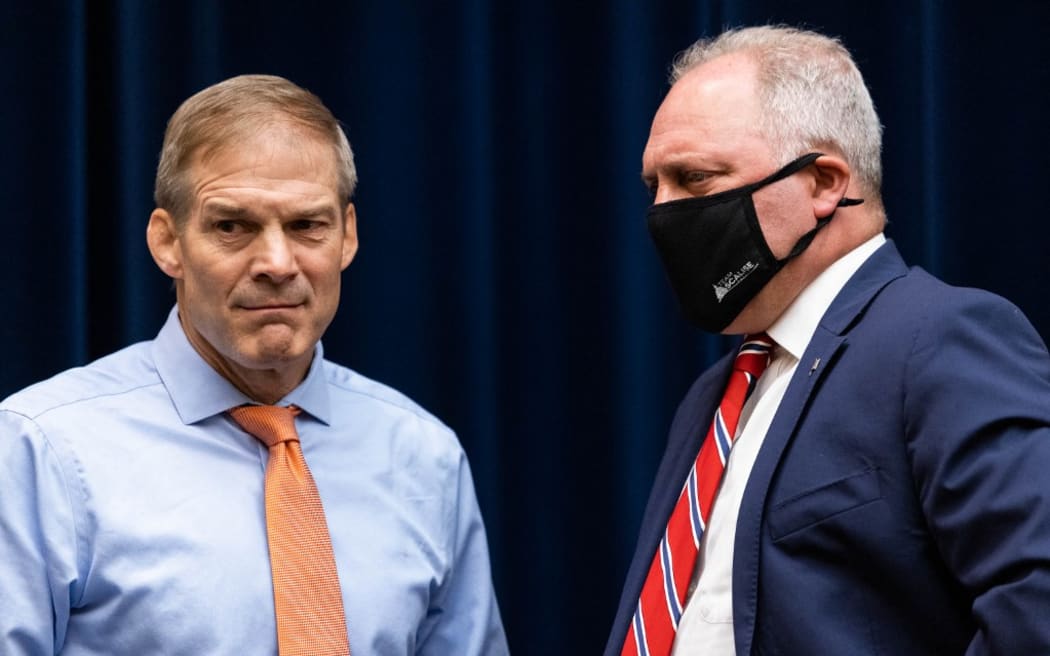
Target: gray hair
(227, 112)
(812, 95)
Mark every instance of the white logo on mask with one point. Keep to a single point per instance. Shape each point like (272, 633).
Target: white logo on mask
(731, 280)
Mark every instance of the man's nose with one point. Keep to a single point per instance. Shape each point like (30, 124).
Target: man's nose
(667, 191)
(275, 257)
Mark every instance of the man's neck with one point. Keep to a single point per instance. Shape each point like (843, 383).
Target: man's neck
(266, 386)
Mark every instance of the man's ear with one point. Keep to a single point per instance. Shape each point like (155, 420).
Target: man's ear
(349, 236)
(831, 178)
(163, 240)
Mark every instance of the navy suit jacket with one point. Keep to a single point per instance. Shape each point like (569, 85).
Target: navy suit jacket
(900, 503)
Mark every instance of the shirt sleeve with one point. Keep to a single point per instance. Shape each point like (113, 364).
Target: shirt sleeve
(463, 617)
(978, 401)
(37, 541)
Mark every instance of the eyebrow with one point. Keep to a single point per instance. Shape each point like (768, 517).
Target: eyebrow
(225, 209)
(679, 164)
(325, 210)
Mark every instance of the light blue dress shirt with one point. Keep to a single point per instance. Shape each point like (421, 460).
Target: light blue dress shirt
(132, 518)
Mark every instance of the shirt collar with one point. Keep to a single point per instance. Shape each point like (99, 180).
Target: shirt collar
(793, 330)
(199, 392)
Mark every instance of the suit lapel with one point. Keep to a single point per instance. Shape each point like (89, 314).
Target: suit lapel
(820, 356)
(818, 359)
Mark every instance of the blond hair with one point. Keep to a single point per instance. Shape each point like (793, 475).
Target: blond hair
(224, 113)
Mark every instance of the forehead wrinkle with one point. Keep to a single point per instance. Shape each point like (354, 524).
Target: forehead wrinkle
(223, 206)
(675, 153)
(268, 148)
(231, 208)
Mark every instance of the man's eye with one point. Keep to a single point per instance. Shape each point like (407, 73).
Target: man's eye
(695, 177)
(227, 227)
(304, 224)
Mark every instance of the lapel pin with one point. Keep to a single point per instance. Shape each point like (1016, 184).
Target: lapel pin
(816, 363)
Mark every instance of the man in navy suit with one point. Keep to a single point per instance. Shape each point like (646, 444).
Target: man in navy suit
(888, 488)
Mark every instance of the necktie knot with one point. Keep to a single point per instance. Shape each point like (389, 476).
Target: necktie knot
(754, 355)
(270, 424)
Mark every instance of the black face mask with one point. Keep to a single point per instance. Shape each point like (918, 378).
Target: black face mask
(715, 254)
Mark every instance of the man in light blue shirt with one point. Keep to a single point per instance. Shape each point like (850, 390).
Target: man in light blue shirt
(131, 505)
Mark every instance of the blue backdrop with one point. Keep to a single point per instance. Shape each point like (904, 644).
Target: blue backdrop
(505, 278)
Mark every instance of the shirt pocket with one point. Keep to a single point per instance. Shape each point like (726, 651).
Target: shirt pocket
(823, 503)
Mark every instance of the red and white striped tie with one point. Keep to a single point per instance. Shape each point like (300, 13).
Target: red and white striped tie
(660, 605)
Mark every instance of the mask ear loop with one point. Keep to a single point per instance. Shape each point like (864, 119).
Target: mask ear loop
(805, 240)
(790, 169)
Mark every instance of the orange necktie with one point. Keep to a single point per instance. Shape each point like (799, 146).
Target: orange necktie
(308, 602)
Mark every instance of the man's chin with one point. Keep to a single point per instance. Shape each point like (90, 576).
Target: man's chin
(278, 349)
(274, 356)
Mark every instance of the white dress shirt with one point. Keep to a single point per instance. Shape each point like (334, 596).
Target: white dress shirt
(706, 626)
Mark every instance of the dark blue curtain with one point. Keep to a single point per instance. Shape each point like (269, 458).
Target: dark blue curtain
(505, 278)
